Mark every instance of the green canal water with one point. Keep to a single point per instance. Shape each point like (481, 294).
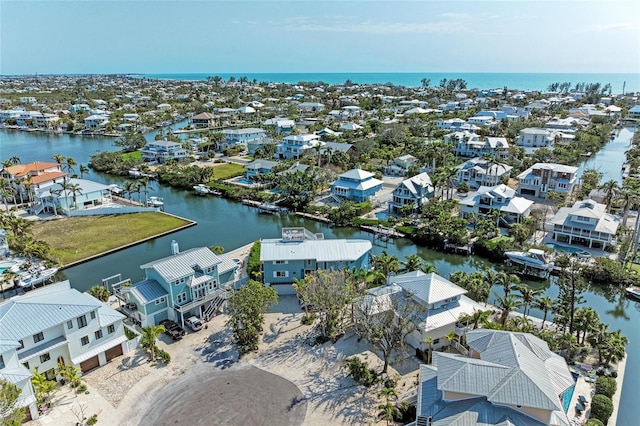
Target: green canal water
(230, 225)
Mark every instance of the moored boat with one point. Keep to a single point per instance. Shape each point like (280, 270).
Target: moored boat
(155, 201)
(202, 189)
(633, 291)
(34, 278)
(532, 258)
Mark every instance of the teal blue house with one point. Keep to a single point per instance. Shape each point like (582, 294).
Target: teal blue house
(194, 282)
(356, 185)
(300, 252)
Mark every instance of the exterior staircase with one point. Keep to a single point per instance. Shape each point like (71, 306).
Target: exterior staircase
(215, 304)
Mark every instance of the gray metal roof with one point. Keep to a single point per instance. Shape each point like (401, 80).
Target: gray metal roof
(182, 264)
(320, 250)
(26, 315)
(429, 288)
(148, 290)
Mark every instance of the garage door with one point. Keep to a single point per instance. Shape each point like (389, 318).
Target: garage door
(113, 352)
(90, 364)
(160, 316)
(527, 191)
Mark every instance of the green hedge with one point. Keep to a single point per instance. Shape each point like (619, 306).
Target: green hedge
(601, 408)
(254, 266)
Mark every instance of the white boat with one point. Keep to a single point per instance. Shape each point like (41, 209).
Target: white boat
(533, 258)
(135, 172)
(202, 189)
(34, 278)
(155, 202)
(115, 189)
(633, 291)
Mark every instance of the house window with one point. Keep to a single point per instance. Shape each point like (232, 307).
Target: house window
(280, 262)
(38, 337)
(26, 365)
(93, 314)
(85, 340)
(82, 321)
(281, 274)
(98, 334)
(45, 357)
(111, 328)
(159, 301)
(181, 298)
(436, 341)
(21, 344)
(69, 325)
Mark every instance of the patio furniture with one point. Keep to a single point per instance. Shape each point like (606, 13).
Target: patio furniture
(583, 400)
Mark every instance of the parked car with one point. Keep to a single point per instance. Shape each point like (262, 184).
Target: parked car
(194, 323)
(172, 329)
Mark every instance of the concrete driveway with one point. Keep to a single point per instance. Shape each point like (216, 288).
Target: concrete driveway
(240, 395)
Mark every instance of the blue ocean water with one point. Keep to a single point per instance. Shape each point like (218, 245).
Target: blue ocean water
(520, 81)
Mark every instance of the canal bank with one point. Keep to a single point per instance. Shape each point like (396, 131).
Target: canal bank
(231, 225)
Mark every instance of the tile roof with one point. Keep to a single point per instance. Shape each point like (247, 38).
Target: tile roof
(46, 176)
(19, 170)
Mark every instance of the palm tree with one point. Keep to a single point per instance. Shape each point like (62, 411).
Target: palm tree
(149, 336)
(412, 262)
(614, 347)
(58, 158)
(528, 296)
(451, 336)
(509, 282)
(611, 189)
(84, 170)
(545, 304)
(217, 249)
(129, 188)
(99, 292)
(507, 304)
(386, 263)
(68, 165)
(429, 341)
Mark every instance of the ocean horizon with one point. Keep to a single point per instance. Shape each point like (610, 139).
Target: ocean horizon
(484, 81)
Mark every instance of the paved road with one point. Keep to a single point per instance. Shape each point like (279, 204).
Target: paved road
(241, 395)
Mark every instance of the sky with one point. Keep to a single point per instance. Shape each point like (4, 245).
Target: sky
(208, 36)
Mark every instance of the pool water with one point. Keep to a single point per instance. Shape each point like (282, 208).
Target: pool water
(244, 181)
(567, 249)
(382, 215)
(568, 394)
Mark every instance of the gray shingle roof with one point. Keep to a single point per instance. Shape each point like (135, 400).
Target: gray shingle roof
(181, 265)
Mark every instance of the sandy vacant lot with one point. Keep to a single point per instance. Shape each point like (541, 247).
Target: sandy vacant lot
(287, 382)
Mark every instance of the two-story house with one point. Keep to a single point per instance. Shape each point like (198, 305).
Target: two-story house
(260, 167)
(203, 120)
(506, 379)
(28, 178)
(162, 151)
(469, 145)
(440, 302)
(244, 137)
(356, 185)
(96, 121)
(587, 223)
(77, 194)
(18, 375)
(194, 282)
(512, 209)
(295, 146)
(300, 252)
(415, 191)
(540, 178)
(63, 325)
(479, 172)
(533, 137)
(400, 165)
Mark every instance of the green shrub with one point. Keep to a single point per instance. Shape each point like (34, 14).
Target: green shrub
(129, 333)
(309, 318)
(593, 422)
(606, 386)
(601, 408)
(361, 373)
(254, 266)
(163, 355)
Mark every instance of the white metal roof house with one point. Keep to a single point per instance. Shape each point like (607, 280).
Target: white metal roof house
(507, 379)
(163, 150)
(415, 191)
(534, 138)
(300, 251)
(444, 302)
(502, 198)
(586, 222)
(63, 325)
(538, 179)
(15, 373)
(479, 172)
(356, 185)
(295, 146)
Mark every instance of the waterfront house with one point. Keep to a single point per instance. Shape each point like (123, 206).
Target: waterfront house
(194, 282)
(400, 165)
(479, 172)
(295, 146)
(469, 145)
(28, 178)
(245, 137)
(71, 194)
(540, 178)
(163, 150)
(63, 325)
(356, 185)
(415, 191)
(440, 301)
(512, 209)
(507, 379)
(310, 107)
(260, 167)
(532, 137)
(12, 371)
(79, 108)
(96, 121)
(284, 126)
(203, 120)
(587, 223)
(300, 252)
(634, 112)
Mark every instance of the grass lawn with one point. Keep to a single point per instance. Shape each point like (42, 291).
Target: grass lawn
(73, 239)
(135, 155)
(227, 170)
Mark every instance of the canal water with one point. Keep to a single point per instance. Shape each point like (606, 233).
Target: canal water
(230, 225)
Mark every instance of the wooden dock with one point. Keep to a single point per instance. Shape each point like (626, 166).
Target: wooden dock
(315, 217)
(382, 231)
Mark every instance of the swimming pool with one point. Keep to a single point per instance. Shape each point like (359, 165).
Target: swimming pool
(245, 181)
(568, 394)
(382, 215)
(567, 249)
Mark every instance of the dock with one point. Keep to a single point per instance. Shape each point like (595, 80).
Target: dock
(268, 208)
(466, 249)
(315, 217)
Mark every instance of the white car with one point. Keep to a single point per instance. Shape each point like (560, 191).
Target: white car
(194, 323)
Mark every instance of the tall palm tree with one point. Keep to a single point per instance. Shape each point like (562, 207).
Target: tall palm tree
(68, 165)
(412, 262)
(528, 296)
(386, 263)
(129, 188)
(84, 170)
(429, 341)
(99, 292)
(545, 304)
(611, 189)
(149, 336)
(58, 158)
(507, 304)
(509, 282)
